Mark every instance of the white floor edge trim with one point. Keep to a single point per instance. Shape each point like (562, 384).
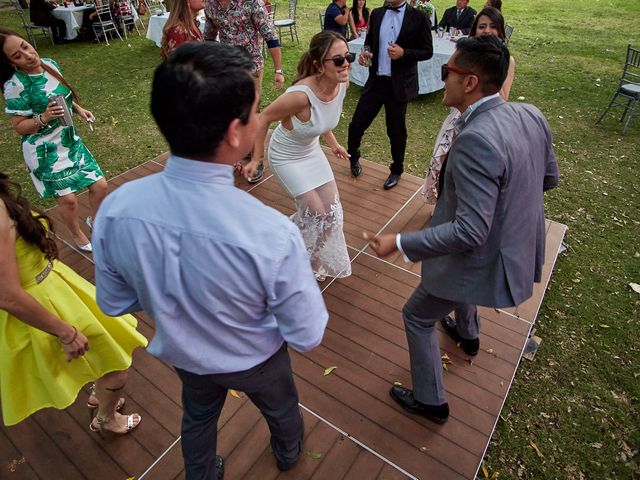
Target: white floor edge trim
(323, 420)
(159, 458)
(358, 442)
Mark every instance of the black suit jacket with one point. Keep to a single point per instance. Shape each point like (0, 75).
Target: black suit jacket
(414, 38)
(465, 21)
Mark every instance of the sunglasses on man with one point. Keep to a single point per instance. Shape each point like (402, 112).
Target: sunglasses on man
(339, 61)
(445, 69)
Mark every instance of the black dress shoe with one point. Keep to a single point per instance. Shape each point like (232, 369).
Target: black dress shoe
(356, 168)
(470, 346)
(404, 397)
(391, 181)
(219, 467)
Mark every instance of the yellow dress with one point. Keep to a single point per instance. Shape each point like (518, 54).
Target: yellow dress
(34, 372)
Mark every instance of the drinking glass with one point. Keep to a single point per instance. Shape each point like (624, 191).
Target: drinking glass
(366, 52)
(440, 32)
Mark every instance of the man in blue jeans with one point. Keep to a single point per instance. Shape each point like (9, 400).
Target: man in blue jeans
(226, 279)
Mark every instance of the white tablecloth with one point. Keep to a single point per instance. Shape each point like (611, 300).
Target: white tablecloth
(156, 24)
(428, 71)
(72, 18)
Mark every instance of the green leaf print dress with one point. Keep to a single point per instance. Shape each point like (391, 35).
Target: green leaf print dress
(58, 161)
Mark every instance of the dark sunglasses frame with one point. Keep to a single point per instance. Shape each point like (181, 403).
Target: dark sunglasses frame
(445, 69)
(339, 61)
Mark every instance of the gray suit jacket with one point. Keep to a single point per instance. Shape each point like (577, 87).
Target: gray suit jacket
(485, 242)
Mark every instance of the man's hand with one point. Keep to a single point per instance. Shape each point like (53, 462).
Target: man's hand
(395, 51)
(383, 245)
(278, 81)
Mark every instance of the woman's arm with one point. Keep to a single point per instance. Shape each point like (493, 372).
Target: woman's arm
(30, 125)
(508, 82)
(285, 106)
(86, 115)
(352, 26)
(337, 149)
(23, 306)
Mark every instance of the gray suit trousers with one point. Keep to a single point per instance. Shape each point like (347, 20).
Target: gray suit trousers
(421, 313)
(270, 387)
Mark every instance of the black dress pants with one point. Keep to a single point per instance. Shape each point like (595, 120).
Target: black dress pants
(268, 385)
(378, 92)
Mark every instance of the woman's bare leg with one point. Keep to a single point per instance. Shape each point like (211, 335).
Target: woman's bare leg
(69, 211)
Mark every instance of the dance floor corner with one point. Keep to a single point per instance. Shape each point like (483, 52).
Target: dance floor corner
(353, 429)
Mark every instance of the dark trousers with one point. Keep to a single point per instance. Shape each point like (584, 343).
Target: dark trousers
(379, 93)
(421, 313)
(268, 385)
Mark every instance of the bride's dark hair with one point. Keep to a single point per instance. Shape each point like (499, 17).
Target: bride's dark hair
(312, 60)
(30, 221)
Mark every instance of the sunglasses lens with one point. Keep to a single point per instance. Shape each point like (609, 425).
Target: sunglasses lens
(351, 57)
(444, 72)
(338, 61)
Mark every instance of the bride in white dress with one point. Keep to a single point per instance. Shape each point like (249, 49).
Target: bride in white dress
(308, 109)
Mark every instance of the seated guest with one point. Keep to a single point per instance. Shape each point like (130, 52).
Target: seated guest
(182, 25)
(359, 18)
(40, 14)
(459, 17)
(497, 4)
(336, 17)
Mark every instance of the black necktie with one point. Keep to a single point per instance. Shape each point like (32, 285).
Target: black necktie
(458, 12)
(389, 6)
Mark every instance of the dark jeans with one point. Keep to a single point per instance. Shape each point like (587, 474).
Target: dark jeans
(378, 93)
(268, 385)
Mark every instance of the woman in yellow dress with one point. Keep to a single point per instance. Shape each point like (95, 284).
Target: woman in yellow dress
(53, 337)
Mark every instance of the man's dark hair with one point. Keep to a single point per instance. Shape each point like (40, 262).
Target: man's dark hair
(486, 56)
(197, 92)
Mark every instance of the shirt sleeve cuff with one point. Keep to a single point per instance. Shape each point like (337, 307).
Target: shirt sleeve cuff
(399, 245)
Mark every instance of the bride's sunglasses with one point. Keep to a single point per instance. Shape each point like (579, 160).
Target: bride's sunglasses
(339, 61)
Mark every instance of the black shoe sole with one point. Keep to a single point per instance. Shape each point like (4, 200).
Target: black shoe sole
(433, 418)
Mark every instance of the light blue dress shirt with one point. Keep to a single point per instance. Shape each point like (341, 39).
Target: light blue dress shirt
(389, 31)
(226, 278)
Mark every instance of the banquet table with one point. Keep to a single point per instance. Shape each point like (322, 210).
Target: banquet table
(156, 24)
(428, 70)
(72, 18)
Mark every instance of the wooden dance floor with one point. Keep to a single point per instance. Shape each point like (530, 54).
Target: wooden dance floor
(353, 429)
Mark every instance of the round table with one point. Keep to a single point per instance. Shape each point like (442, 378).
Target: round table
(428, 70)
(72, 18)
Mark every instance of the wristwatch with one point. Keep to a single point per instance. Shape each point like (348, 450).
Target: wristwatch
(280, 71)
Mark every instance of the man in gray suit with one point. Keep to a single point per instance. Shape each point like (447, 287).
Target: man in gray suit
(485, 242)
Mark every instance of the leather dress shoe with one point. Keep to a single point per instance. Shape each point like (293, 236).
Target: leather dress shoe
(471, 346)
(391, 181)
(404, 398)
(219, 467)
(356, 168)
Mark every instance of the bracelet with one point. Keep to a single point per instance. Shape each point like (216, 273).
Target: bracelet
(280, 71)
(75, 335)
(40, 120)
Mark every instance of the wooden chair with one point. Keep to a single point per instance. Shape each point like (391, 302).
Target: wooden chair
(627, 95)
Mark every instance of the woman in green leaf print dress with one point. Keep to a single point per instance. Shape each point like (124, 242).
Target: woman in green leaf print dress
(58, 161)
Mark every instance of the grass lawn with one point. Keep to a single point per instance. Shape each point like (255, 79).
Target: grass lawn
(574, 412)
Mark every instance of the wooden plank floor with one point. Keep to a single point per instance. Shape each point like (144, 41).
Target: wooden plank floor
(354, 430)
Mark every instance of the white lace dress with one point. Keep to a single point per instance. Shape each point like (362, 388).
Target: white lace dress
(303, 170)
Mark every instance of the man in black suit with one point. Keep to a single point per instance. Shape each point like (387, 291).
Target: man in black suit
(399, 37)
(461, 17)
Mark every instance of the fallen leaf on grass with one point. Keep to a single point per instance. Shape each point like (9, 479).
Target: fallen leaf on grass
(597, 445)
(234, 393)
(604, 325)
(537, 450)
(635, 287)
(314, 455)
(328, 370)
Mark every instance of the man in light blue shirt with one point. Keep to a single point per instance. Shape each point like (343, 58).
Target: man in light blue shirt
(226, 279)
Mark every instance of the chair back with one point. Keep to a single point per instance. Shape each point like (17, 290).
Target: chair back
(21, 12)
(508, 31)
(631, 73)
(292, 9)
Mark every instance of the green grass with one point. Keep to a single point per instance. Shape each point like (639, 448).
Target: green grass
(578, 402)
